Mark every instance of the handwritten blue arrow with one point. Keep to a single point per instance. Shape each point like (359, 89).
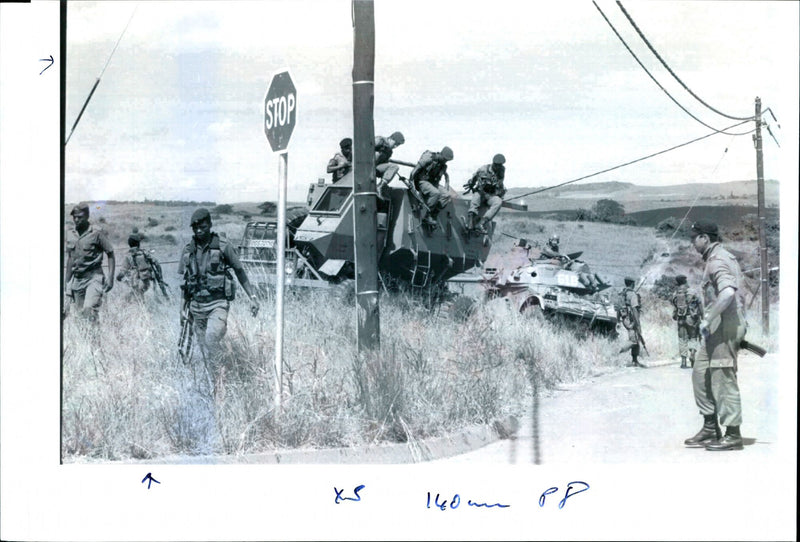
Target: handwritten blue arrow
(50, 60)
(149, 478)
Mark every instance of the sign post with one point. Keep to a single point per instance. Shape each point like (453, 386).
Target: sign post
(280, 115)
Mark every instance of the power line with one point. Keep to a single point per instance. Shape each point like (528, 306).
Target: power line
(654, 79)
(663, 63)
(695, 140)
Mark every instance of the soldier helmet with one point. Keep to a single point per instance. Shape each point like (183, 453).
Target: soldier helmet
(80, 208)
(346, 143)
(398, 138)
(499, 159)
(680, 279)
(447, 153)
(704, 227)
(199, 215)
(629, 281)
(135, 229)
(554, 239)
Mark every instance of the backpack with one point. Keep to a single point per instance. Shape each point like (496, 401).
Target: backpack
(141, 263)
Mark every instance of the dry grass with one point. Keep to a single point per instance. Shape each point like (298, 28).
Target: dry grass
(127, 394)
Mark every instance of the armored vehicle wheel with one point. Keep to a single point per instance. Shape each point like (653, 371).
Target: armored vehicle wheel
(532, 309)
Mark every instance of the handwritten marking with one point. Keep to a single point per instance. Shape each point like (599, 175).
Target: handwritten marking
(340, 498)
(456, 501)
(50, 60)
(567, 494)
(149, 478)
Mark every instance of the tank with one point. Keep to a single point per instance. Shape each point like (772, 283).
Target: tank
(319, 245)
(563, 288)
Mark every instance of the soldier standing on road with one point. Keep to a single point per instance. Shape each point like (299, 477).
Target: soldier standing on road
(342, 162)
(722, 327)
(487, 189)
(208, 286)
(629, 314)
(384, 147)
(686, 312)
(426, 176)
(85, 282)
(136, 267)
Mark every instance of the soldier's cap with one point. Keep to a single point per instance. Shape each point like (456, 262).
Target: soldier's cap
(346, 142)
(704, 227)
(135, 229)
(447, 153)
(499, 159)
(80, 208)
(629, 280)
(398, 138)
(681, 279)
(199, 215)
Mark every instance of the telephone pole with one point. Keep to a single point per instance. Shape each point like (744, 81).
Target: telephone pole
(762, 231)
(365, 219)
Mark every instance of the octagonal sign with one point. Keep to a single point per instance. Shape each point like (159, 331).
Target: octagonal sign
(280, 111)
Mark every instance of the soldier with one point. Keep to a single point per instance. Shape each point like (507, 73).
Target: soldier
(426, 176)
(686, 312)
(722, 327)
(137, 268)
(384, 147)
(487, 189)
(85, 282)
(208, 287)
(629, 314)
(551, 251)
(341, 163)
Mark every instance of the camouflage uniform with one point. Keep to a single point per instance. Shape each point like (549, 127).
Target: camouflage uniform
(488, 189)
(714, 379)
(86, 282)
(686, 313)
(340, 165)
(427, 175)
(383, 152)
(136, 267)
(629, 314)
(209, 285)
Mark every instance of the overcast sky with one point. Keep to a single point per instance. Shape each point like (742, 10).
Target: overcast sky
(179, 110)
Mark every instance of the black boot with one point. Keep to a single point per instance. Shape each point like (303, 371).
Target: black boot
(683, 363)
(731, 441)
(691, 357)
(710, 432)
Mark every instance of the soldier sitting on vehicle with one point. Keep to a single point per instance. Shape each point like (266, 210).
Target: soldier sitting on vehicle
(551, 251)
(341, 163)
(426, 176)
(384, 147)
(487, 188)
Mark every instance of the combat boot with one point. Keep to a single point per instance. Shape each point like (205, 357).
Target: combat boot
(683, 363)
(731, 441)
(691, 357)
(710, 432)
(382, 190)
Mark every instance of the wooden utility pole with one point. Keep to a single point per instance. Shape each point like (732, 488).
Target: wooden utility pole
(762, 230)
(365, 220)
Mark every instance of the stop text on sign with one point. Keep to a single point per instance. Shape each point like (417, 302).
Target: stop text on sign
(278, 111)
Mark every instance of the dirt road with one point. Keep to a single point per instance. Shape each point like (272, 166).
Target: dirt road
(637, 416)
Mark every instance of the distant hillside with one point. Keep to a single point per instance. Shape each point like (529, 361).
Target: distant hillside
(637, 198)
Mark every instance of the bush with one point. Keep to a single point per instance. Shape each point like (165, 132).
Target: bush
(152, 222)
(224, 209)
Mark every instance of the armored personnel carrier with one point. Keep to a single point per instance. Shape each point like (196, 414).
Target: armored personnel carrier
(319, 247)
(549, 287)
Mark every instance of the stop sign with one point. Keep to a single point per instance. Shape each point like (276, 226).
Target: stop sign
(280, 111)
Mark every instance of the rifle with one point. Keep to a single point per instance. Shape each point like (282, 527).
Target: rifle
(185, 342)
(754, 348)
(158, 275)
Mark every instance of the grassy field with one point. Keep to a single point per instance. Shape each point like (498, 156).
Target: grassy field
(126, 394)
